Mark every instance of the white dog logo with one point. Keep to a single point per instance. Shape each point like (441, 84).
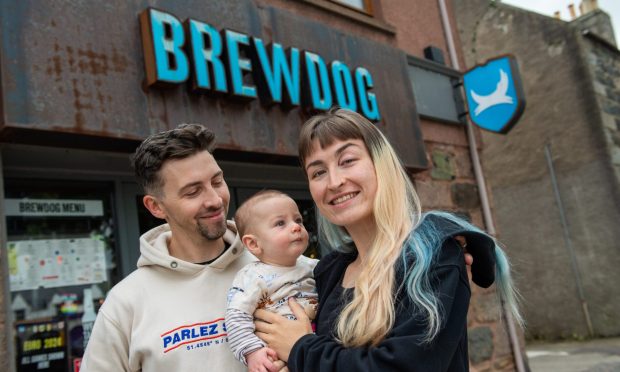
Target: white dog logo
(498, 97)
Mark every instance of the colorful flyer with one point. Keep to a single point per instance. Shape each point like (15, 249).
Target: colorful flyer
(56, 263)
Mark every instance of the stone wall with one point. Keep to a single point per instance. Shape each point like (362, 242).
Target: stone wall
(571, 85)
(604, 65)
(597, 22)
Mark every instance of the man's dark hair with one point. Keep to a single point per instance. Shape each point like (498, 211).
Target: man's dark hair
(179, 143)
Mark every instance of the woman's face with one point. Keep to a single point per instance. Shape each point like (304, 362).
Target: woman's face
(343, 182)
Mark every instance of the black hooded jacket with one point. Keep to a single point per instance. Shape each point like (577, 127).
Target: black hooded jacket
(402, 349)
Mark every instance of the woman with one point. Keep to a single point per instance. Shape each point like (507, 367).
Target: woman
(394, 293)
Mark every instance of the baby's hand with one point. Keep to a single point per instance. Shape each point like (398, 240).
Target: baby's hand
(261, 360)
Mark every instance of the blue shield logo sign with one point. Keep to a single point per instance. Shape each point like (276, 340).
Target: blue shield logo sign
(495, 94)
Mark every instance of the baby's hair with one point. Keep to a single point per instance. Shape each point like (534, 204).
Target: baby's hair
(243, 216)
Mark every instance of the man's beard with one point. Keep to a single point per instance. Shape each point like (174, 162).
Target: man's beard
(212, 232)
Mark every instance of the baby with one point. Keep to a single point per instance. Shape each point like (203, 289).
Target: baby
(271, 227)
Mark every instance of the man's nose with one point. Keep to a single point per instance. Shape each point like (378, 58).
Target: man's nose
(211, 198)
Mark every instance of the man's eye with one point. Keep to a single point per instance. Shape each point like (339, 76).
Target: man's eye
(193, 192)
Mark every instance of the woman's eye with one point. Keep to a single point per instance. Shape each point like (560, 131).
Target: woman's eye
(348, 161)
(317, 173)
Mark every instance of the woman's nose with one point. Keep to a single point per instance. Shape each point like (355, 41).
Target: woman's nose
(335, 179)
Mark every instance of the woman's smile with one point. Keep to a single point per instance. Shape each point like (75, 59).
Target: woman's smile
(343, 198)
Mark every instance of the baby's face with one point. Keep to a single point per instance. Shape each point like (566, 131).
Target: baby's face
(279, 231)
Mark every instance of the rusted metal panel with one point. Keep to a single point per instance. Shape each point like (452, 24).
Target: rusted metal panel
(77, 67)
(389, 68)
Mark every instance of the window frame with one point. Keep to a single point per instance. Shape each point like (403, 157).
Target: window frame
(456, 78)
(374, 20)
(368, 8)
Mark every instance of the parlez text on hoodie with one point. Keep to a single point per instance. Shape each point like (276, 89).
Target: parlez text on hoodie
(168, 315)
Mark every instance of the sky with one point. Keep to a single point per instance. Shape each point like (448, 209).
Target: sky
(548, 7)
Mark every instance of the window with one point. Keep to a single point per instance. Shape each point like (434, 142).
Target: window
(363, 5)
(366, 12)
(435, 88)
(61, 253)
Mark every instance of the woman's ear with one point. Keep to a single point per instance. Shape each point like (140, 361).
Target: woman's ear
(154, 206)
(251, 242)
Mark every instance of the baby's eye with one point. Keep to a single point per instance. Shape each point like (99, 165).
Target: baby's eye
(299, 220)
(279, 223)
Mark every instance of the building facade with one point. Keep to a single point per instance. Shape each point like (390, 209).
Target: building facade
(84, 82)
(555, 177)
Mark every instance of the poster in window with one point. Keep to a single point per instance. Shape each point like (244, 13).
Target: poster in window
(41, 345)
(56, 263)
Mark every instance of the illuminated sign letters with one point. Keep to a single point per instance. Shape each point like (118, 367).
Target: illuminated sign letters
(234, 64)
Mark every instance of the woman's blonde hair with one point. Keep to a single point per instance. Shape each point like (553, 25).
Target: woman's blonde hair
(368, 318)
(402, 232)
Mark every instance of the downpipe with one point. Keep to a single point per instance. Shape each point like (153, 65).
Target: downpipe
(480, 181)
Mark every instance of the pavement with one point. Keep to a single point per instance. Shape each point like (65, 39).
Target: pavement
(599, 355)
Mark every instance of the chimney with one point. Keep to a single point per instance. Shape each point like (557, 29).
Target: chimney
(556, 15)
(595, 21)
(571, 10)
(587, 6)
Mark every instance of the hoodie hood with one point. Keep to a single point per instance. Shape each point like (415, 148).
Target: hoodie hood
(154, 251)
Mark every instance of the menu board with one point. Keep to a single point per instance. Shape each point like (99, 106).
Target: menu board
(56, 263)
(52, 207)
(41, 345)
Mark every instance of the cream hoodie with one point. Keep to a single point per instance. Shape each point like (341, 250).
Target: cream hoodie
(168, 315)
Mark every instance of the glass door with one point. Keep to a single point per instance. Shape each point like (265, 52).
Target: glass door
(61, 250)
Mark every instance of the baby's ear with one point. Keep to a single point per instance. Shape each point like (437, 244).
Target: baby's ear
(251, 242)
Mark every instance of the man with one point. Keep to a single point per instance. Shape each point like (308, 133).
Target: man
(168, 315)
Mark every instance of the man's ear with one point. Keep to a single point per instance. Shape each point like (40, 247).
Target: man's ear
(251, 242)
(153, 205)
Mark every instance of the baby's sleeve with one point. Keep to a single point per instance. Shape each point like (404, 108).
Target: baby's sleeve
(247, 290)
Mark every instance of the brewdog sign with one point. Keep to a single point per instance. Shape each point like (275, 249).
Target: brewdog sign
(234, 65)
(495, 94)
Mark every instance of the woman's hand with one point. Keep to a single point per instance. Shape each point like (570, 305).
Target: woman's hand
(469, 259)
(281, 333)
